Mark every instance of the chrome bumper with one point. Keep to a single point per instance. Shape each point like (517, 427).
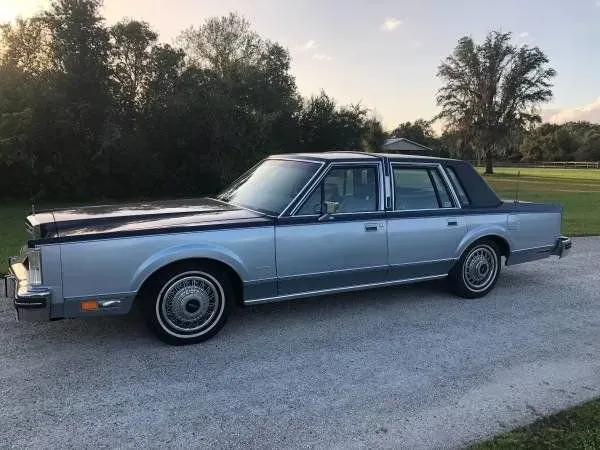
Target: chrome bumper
(31, 302)
(562, 247)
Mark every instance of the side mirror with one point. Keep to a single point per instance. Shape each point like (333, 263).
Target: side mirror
(331, 207)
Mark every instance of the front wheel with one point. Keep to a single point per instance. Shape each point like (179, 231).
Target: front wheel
(476, 272)
(188, 303)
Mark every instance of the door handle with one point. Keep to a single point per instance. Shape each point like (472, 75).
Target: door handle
(452, 222)
(370, 227)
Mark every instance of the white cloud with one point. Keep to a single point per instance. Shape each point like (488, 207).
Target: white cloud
(322, 57)
(597, 3)
(589, 112)
(415, 43)
(390, 24)
(310, 45)
(525, 34)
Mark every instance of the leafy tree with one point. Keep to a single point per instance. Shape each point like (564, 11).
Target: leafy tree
(373, 136)
(25, 46)
(456, 144)
(567, 142)
(80, 47)
(491, 89)
(26, 83)
(325, 126)
(246, 96)
(223, 44)
(165, 67)
(80, 50)
(590, 147)
(419, 131)
(131, 58)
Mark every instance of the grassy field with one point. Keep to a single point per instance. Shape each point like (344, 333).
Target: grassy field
(577, 189)
(575, 428)
(12, 231)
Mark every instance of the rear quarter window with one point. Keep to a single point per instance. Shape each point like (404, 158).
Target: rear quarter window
(458, 188)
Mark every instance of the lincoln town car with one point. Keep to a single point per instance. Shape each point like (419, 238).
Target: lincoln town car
(293, 226)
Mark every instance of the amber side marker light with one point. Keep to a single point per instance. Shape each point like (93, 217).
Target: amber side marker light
(89, 305)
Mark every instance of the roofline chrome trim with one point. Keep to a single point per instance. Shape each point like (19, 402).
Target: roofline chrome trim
(354, 152)
(284, 158)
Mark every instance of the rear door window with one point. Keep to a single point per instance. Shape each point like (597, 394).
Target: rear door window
(417, 188)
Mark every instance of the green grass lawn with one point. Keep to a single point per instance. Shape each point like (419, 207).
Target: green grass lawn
(578, 190)
(12, 231)
(575, 428)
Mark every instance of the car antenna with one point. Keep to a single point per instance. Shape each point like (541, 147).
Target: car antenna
(517, 193)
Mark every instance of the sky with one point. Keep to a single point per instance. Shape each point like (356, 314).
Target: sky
(384, 54)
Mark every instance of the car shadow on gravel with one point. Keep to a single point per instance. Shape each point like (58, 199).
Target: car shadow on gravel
(130, 330)
(313, 313)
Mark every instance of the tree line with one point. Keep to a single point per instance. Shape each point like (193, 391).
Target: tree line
(89, 110)
(571, 141)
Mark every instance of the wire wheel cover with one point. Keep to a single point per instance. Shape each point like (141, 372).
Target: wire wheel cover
(190, 302)
(480, 268)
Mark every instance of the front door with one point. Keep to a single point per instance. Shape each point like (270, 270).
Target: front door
(320, 251)
(425, 226)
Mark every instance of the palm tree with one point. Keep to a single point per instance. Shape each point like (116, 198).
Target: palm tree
(491, 90)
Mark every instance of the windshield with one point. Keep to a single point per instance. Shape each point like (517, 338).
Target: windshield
(270, 186)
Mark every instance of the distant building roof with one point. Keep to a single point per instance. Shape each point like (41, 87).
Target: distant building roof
(404, 145)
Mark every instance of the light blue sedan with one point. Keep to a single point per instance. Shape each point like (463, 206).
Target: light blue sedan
(293, 226)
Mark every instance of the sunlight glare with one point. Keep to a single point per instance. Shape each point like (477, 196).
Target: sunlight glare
(10, 9)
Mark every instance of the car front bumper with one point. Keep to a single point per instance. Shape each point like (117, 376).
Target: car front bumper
(32, 303)
(562, 247)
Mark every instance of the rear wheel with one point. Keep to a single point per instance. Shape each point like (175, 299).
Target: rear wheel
(477, 270)
(187, 303)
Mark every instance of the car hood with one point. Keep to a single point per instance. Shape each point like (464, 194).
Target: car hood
(137, 217)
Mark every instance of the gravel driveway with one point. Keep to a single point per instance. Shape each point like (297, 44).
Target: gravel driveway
(399, 367)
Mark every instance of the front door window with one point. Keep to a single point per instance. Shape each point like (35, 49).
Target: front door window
(344, 190)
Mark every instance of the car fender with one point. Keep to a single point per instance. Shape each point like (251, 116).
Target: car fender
(189, 251)
(482, 231)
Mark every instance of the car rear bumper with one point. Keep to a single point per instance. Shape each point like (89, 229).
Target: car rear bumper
(562, 247)
(32, 303)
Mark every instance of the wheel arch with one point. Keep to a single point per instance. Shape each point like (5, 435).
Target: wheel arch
(172, 258)
(502, 244)
(497, 235)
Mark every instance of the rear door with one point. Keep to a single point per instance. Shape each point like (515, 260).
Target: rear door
(424, 222)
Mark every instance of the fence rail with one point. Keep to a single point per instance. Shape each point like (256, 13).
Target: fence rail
(548, 164)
